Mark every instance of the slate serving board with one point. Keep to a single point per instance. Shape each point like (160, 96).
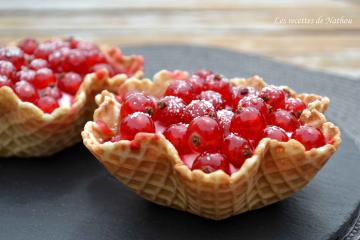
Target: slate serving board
(71, 196)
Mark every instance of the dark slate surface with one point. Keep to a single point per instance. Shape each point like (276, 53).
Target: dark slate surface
(71, 196)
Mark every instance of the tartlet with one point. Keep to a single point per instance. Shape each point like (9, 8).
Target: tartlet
(31, 129)
(151, 166)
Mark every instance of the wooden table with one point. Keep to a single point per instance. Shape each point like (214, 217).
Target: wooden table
(315, 34)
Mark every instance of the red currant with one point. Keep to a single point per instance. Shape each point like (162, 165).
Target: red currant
(255, 102)
(43, 78)
(176, 134)
(169, 109)
(38, 63)
(224, 117)
(275, 132)
(14, 55)
(239, 93)
(76, 61)
(198, 108)
(214, 98)
(103, 127)
(273, 96)
(310, 137)
(236, 149)
(283, 119)
(26, 75)
(204, 134)
(28, 45)
(295, 105)
(180, 89)
(197, 83)
(7, 69)
(44, 50)
(70, 82)
(219, 84)
(203, 74)
(211, 162)
(137, 103)
(248, 123)
(26, 92)
(52, 91)
(135, 123)
(47, 104)
(5, 81)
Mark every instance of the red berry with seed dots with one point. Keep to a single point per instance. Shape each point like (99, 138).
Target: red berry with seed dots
(283, 119)
(180, 89)
(310, 137)
(219, 84)
(7, 69)
(25, 75)
(5, 81)
(14, 55)
(28, 45)
(37, 64)
(295, 106)
(137, 103)
(273, 96)
(70, 82)
(214, 98)
(26, 92)
(197, 83)
(236, 149)
(169, 109)
(224, 117)
(239, 93)
(52, 91)
(198, 108)
(275, 132)
(176, 134)
(255, 102)
(211, 162)
(204, 134)
(248, 123)
(135, 123)
(47, 104)
(43, 78)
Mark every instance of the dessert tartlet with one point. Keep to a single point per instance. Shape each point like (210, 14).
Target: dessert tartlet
(208, 145)
(47, 91)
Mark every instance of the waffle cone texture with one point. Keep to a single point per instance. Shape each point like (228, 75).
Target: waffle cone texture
(150, 165)
(25, 131)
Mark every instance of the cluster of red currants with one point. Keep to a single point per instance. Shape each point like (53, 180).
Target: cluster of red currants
(220, 124)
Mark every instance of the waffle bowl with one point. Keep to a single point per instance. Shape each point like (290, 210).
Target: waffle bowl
(25, 131)
(150, 165)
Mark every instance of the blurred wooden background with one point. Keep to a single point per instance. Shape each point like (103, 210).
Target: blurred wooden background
(240, 25)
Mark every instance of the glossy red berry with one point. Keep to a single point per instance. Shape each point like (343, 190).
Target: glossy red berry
(14, 55)
(213, 97)
(135, 123)
(28, 45)
(273, 96)
(180, 89)
(248, 123)
(224, 117)
(43, 78)
(44, 50)
(26, 92)
(283, 119)
(104, 128)
(25, 75)
(275, 132)
(197, 83)
(198, 108)
(203, 74)
(7, 69)
(255, 102)
(310, 137)
(37, 64)
(70, 82)
(236, 149)
(204, 134)
(76, 61)
(239, 93)
(176, 134)
(295, 105)
(4, 81)
(47, 104)
(169, 109)
(52, 91)
(57, 60)
(137, 103)
(211, 162)
(219, 84)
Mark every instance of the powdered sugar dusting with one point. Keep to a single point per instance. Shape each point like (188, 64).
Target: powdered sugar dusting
(224, 117)
(198, 108)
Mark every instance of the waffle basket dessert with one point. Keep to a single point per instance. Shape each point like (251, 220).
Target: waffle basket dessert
(26, 128)
(151, 166)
